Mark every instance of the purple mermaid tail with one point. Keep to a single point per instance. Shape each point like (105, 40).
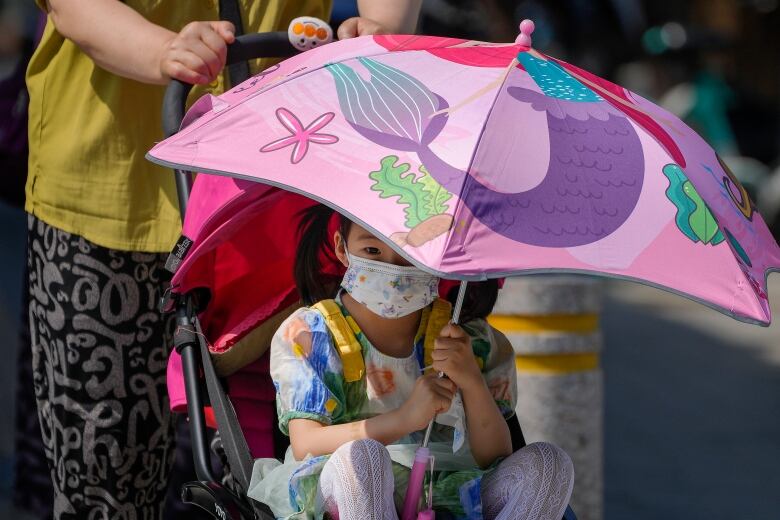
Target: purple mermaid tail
(592, 184)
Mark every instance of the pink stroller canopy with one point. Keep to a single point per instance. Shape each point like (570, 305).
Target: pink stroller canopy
(240, 244)
(241, 255)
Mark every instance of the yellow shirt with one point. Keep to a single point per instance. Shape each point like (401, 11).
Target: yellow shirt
(90, 129)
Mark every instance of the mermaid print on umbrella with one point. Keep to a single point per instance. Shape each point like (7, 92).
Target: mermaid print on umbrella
(596, 164)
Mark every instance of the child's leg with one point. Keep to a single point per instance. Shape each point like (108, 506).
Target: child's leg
(534, 483)
(357, 483)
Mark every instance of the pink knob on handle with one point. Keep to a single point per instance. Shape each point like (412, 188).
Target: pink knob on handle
(526, 30)
(415, 485)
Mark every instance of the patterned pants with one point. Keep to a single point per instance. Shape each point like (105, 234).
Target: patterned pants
(99, 349)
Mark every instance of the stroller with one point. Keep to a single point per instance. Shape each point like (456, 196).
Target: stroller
(212, 265)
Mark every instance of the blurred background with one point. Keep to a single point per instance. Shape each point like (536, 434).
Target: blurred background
(691, 415)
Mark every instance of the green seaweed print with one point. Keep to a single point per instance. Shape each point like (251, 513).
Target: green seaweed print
(693, 218)
(424, 200)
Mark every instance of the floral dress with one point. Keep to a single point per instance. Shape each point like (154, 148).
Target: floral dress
(307, 372)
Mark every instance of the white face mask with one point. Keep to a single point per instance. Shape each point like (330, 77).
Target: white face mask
(391, 291)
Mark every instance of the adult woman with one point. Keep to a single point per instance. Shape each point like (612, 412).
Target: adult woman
(100, 218)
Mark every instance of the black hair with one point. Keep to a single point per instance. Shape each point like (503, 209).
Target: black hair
(479, 300)
(313, 283)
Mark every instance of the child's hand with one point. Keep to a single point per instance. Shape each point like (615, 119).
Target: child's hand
(431, 395)
(197, 54)
(452, 354)
(358, 26)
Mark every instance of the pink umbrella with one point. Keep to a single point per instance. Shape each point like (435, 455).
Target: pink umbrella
(480, 160)
(475, 161)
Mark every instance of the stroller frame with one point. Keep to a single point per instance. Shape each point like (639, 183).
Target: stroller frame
(207, 493)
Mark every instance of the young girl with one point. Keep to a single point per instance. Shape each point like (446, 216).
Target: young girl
(357, 383)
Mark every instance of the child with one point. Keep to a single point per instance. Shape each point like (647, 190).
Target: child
(353, 393)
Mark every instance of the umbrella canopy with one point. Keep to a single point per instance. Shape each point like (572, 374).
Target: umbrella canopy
(478, 160)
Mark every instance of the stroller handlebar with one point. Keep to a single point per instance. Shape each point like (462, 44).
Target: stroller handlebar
(246, 47)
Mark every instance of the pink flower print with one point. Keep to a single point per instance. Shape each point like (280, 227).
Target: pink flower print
(301, 137)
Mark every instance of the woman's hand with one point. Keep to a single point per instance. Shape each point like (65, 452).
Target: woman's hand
(359, 26)
(382, 17)
(453, 355)
(431, 395)
(197, 53)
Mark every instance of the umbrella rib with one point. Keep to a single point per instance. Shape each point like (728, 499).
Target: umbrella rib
(461, 194)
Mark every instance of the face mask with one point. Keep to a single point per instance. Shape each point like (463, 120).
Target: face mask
(391, 291)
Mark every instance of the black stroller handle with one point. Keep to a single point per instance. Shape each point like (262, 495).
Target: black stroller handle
(246, 47)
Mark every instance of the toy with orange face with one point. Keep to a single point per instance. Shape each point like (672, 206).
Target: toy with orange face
(307, 32)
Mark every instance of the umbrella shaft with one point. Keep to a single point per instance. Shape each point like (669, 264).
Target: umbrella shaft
(428, 433)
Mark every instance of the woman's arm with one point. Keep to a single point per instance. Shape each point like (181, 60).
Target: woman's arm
(123, 42)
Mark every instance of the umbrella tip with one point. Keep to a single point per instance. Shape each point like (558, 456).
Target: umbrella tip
(526, 30)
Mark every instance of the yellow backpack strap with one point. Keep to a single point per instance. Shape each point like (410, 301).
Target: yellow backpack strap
(441, 312)
(344, 339)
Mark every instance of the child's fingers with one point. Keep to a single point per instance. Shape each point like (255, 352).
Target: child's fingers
(442, 399)
(447, 384)
(445, 343)
(440, 354)
(430, 375)
(451, 330)
(443, 407)
(225, 29)
(443, 393)
(451, 345)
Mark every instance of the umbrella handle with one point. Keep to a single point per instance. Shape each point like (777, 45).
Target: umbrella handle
(415, 484)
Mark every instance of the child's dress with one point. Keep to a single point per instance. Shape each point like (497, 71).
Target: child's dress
(308, 375)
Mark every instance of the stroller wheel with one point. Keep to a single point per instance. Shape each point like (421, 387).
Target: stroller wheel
(219, 502)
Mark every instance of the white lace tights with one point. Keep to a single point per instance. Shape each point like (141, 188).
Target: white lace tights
(357, 483)
(534, 483)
